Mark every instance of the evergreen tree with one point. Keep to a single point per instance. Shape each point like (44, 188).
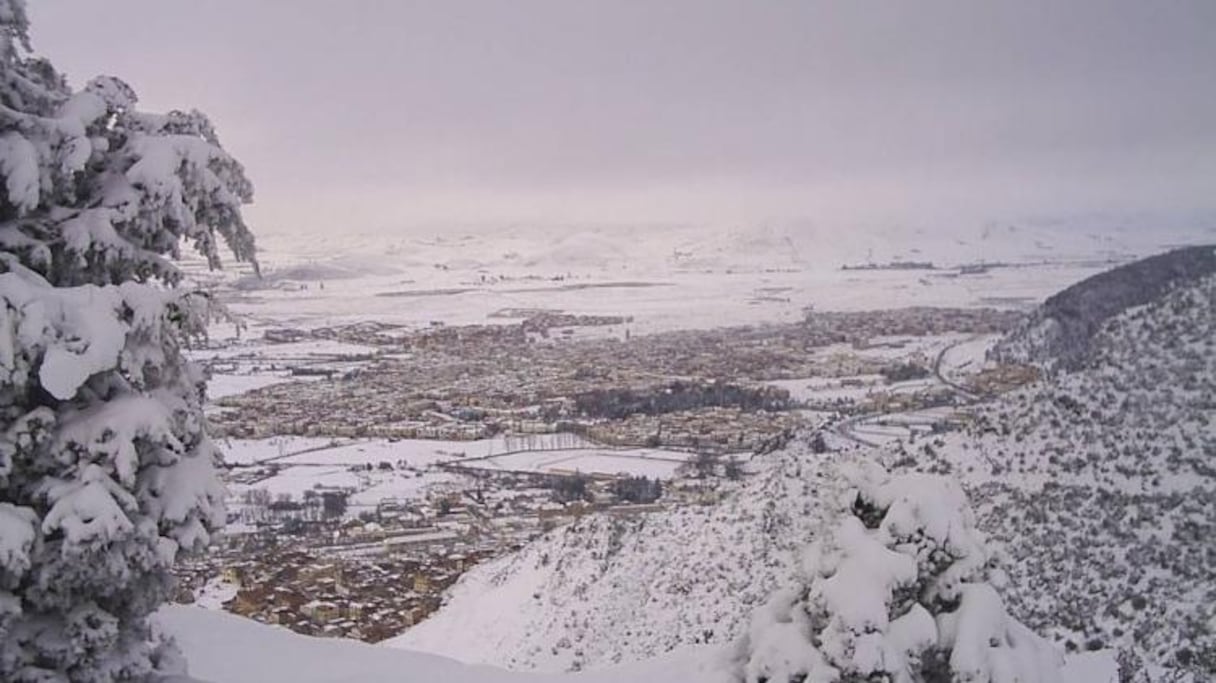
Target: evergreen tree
(106, 472)
(901, 591)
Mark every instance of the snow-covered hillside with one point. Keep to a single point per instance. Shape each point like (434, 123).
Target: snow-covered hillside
(611, 589)
(223, 648)
(728, 573)
(1102, 486)
(608, 590)
(1059, 333)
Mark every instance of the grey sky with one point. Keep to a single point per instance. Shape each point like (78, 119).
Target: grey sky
(396, 114)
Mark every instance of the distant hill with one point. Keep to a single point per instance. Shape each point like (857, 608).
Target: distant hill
(1060, 333)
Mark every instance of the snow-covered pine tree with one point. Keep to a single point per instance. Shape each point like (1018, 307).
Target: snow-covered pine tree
(106, 472)
(900, 591)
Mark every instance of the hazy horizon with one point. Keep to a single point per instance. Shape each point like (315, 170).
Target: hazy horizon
(387, 117)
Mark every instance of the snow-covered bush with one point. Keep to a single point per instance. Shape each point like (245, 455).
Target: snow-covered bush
(106, 472)
(901, 590)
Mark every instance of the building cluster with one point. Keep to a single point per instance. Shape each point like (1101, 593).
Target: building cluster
(472, 382)
(368, 577)
(714, 429)
(371, 573)
(903, 401)
(320, 595)
(319, 568)
(859, 326)
(531, 321)
(891, 265)
(1002, 378)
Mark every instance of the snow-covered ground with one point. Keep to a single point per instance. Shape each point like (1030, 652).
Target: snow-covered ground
(215, 593)
(251, 348)
(223, 648)
(633, 461)
(302, 464)
(222, 385)
(416, 452)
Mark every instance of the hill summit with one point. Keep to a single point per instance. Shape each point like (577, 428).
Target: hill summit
(1059, 335)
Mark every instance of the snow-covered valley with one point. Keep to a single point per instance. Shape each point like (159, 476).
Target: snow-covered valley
(1065, 513)
(715, 342)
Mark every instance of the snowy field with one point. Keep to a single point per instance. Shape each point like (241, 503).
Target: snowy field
(249, 451)
(830, 388)
(666, 279)
(222, 385)
(675, 301)
(247, 349)
(309, 463)
(370, 487)
(670, 278)
(243, 364)
(308, 450)
(634, 461)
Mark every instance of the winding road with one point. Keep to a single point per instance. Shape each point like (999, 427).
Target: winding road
(847, 429)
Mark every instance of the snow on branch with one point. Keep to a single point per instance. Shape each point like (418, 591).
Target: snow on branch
(106, 470)
(898, 590)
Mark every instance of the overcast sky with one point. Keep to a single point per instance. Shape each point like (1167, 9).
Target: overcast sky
(400, 114)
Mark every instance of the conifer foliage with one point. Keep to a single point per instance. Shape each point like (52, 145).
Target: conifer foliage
(901, 591)
(106, 472)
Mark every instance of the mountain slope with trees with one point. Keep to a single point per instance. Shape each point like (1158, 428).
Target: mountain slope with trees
(1060, 333)
(1101, 484)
